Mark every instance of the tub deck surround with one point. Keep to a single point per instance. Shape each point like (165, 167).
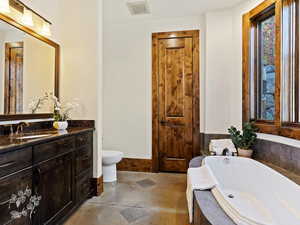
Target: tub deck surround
(207, 211)
(57, 167)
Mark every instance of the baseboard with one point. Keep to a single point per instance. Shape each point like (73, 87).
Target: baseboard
(137, 165)
(97, 186)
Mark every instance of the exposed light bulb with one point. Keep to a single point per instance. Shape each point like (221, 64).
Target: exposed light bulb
(27, 18)
(4, 6)
(46, 29)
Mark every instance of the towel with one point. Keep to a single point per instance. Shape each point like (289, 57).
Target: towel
(217, 146)
(197, 179)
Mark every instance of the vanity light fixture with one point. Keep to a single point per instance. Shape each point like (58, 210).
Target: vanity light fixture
(4, 6)
(46, 31)
(27, 18)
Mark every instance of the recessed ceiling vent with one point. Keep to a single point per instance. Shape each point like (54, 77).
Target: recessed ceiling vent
(138, 7)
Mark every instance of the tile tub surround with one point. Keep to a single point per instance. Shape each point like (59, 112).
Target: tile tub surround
(137, 199)
(280, 155)
(277, 154)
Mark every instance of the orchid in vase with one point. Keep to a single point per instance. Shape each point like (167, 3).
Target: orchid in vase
(62, 113)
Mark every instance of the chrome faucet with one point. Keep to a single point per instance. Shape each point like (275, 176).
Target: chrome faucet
(226, 152)
(20, 127)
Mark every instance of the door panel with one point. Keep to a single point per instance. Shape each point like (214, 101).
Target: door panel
(56, 187)
(10, 185)
(13, 99)
(175, 103)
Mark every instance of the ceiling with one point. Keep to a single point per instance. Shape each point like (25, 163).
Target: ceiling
(117, 9)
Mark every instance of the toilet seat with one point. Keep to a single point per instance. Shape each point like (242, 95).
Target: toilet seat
(110, 157)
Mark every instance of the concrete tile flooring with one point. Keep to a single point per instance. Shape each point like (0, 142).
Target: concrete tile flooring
(137, 199)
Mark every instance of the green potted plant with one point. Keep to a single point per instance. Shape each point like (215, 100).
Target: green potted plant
(245, 139)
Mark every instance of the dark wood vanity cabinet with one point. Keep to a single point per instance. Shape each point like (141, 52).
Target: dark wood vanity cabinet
(55, 184)
(59, 171)
(10, 185)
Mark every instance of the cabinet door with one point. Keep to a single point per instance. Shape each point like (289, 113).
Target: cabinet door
(56, 186)
(12, 185)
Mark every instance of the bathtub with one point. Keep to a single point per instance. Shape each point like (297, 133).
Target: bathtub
(253, 194)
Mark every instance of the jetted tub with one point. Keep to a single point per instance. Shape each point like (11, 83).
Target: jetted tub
(252, 193)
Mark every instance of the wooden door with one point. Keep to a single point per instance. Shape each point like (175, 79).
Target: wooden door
(177, 79)
(13, 97)
(56, 186)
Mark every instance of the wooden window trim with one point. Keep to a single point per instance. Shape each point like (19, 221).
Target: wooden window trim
(276, 127)
(249, 20)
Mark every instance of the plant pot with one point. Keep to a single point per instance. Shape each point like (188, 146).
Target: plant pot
(60, 125)
(247, 153)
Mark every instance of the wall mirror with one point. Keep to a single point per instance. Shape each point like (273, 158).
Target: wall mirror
(29, 68)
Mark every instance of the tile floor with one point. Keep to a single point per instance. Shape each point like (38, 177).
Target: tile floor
(137, 199)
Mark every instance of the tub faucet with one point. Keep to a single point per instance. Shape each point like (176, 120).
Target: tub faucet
(226, 152)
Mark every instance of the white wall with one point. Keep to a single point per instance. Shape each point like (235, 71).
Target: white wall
(38, 68)
(81, 78)
(224, 67)
(127, 80)
(219, 72)
(38, 71)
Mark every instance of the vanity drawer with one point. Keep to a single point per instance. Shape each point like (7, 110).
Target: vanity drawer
(14, 161)
(52, 149)
(83, 139)
(84, 159)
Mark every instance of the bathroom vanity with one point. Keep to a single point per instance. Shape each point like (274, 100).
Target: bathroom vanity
(57, 167)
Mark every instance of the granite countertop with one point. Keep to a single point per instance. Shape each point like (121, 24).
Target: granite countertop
(8, 143)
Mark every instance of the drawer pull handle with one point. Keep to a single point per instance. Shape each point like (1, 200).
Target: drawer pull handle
(7, 164)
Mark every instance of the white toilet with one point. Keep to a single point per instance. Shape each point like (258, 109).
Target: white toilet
(109, 161)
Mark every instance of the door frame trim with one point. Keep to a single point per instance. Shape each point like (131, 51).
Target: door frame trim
(155, 91)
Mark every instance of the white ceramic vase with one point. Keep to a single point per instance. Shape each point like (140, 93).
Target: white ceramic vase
(247, 153)
(60, 125)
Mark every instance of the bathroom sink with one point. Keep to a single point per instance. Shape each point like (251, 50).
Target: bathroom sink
(33, 136)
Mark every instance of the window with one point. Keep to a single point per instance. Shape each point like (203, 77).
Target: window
(271, 81)
(290, 62)
(264, 70)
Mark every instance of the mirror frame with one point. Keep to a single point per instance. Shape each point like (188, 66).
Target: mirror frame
(56, 46)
